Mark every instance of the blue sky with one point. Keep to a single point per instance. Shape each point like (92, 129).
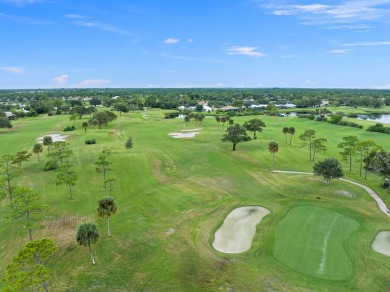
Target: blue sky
(188, 43)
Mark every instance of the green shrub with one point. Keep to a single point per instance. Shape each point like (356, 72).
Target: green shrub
(51, 165)
(69, 128)
(90, 141)
(379, 128)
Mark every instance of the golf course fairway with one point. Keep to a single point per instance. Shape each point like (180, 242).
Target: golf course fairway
(311, 240)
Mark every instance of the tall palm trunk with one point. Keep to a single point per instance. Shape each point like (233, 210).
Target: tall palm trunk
(90, 253)
(108, 225)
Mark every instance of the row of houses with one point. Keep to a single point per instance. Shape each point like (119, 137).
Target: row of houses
(230, 108)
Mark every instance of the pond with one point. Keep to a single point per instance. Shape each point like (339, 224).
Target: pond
(380, 118)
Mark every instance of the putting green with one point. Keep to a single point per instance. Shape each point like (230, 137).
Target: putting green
(311, 240)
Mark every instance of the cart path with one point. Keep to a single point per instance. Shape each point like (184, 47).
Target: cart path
(382, 206)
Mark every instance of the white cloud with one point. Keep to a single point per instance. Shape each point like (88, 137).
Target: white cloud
(349, 11)
(290, 56)
(19, 2)
(92, 83)
(190, 40)
(15, 70)
(74, 16)
(367, 44)
(340, 52)
(17, 19)
(247, 51)
(61, 80)
(171, 41)
(102, 26)
(355, 27)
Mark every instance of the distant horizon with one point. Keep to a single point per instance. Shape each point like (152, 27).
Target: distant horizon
(195, 44)
(151, 88)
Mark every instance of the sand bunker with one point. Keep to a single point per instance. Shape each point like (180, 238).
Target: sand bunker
(54, 137)
(237, 231)
(381, 243)
(184, 135)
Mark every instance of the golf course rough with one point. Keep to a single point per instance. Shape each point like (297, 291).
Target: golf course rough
(311, 240)
(237, 231)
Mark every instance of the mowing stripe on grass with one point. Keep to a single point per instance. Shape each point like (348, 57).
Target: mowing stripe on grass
(311, 240)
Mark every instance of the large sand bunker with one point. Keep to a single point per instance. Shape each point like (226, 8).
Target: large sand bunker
(54, 137)
(185, 134)
(381, 243)
(237, 231)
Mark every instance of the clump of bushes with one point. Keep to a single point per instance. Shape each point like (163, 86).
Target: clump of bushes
(336, 119)
(69, 128)
(321, 118)
(51, 165)
(307, 116)
(379, 128)
(90, 141)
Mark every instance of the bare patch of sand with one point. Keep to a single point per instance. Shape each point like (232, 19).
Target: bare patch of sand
(381, 243)
(346, 193)
(54, 137)
(237, 231)
(184, 135)
(63, 230)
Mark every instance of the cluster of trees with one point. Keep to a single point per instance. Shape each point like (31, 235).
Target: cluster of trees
(237, 133)
(316, 145)
(28, 269)
(124, 100)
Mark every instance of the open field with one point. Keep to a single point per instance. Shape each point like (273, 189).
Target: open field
(173, 194)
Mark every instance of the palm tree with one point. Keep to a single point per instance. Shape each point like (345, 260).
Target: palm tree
(87, 234)
(285, 132)
(223, 121)
(273, 147)
(85, 126)
(106, 209)
(38, 149)
(47, 141)
(200, 119)
(186, 120)
(291, 131)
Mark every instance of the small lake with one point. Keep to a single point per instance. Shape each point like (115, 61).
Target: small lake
(380, 118)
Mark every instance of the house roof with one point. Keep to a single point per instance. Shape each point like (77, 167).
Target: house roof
(9, 114)
(229, 108)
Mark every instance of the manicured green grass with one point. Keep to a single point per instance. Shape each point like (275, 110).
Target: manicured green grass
(190, 185)
(311, 240)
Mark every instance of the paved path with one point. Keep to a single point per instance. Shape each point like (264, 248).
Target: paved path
(382, 206)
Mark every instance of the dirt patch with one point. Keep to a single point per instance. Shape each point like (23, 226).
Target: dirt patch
(63, 230)
(381, 243)
(346, 194)
(157, 173)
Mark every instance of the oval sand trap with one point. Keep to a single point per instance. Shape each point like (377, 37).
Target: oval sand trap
(237, 231)
(381, 243)
(54, 137)
(184, 135)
